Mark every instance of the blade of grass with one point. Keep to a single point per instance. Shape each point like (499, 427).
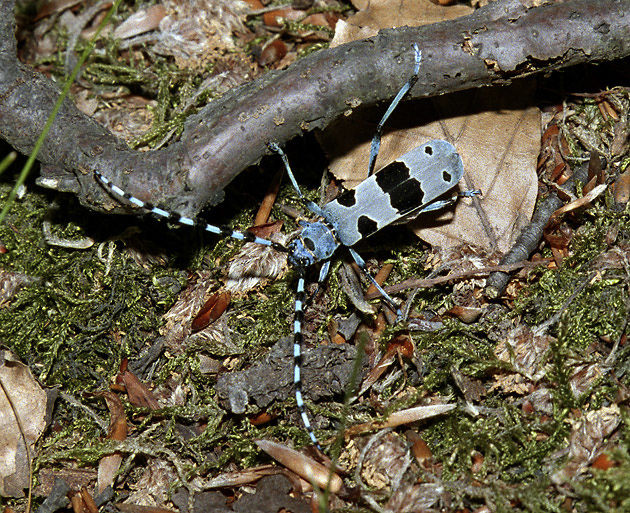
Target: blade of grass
(7, 161)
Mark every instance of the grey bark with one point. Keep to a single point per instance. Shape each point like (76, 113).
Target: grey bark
(495, 45)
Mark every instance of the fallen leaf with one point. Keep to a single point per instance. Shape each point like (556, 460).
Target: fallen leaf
(402, 345)
(580, 202)
(108, 465)
(305, 467)
(603, 462)
(586, 440)
(388, 13)
(23, 405)
(138, 393)
(403, 417)
(143, 20)
(213, 308)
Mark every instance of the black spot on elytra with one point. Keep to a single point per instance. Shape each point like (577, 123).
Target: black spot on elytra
(347, 199)
(366, 226)
(405, 193)
(446, 176)
(407, 196)
(428, 150)
(392, 175)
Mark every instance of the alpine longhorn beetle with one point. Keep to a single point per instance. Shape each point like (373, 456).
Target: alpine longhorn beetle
(400, 191)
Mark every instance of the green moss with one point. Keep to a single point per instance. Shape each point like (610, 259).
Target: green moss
(608, 491)
(66, 316)
(601, 308)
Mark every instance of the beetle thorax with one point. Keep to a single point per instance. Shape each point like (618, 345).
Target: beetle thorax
(316, 242)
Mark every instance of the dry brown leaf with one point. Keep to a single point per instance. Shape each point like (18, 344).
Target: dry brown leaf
(143, 20)
(138, 393)
(403, 417)
(85, 501)
(213, 308)
(402, 345)
(586, 440)
(389, 13)
(21, 395)
(108, 465)
(302, 465)
(580, 202)
(497, 134)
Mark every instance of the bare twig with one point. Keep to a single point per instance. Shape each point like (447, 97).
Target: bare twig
(496, 44)
(418, 283)
(531, 234)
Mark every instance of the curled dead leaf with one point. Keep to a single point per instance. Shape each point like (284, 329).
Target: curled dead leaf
(273, 52)
(402, 345)
(213, 308)
(140, 22)
(580, 202)
(403, 417)
(138, 393)
(108, 465)
(465, 314)
(622, 188)
(303, 466)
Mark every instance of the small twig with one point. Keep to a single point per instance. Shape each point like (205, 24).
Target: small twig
(231, 133)
(417, 283)
(531, 235)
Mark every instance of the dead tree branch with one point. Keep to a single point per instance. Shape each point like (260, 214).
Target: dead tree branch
(494, 45)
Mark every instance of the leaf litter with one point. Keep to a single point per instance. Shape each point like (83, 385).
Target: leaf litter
(550, 409)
